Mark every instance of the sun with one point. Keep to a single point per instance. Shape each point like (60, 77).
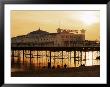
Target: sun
(88, 19)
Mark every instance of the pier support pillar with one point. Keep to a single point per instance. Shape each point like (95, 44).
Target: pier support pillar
(54, 58)
(81, 56)
(23, 56)
(30, 57)
(92, 57)
(18, 60)
(75, 58)
(37, 58)
(62, 58)
(70, 58)
(85, 57)
(12, 57)
(49, 63)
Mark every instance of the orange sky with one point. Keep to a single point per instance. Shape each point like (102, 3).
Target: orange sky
(23, 22)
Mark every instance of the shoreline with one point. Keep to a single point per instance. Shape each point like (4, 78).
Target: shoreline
(83, 71)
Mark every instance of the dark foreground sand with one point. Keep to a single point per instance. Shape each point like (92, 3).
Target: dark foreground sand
(84, 71)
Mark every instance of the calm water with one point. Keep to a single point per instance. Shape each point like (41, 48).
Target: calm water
(40, 59)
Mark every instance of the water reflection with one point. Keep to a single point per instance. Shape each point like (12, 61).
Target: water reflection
(41, 59)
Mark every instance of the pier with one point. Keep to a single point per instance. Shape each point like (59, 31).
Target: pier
(66, 47)
(49, 53)
(47, 56)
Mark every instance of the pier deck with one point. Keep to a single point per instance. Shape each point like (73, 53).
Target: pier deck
(87, 48)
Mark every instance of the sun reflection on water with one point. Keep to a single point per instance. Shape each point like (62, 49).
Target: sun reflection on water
(88, 59)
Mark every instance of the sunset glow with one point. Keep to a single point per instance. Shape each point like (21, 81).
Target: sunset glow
(23, 22)
(88, 19)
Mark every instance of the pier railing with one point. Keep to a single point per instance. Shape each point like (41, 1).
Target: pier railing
(52, 44)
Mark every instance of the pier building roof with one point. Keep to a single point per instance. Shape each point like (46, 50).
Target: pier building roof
(39, 31)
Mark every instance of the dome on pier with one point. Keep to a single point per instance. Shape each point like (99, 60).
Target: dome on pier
(39, 31)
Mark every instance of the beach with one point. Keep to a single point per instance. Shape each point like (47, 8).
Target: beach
(82, 71)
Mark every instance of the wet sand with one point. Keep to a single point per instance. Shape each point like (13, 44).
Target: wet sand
(83, 71)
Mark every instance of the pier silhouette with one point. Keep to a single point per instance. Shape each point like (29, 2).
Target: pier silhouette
(52, 52)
